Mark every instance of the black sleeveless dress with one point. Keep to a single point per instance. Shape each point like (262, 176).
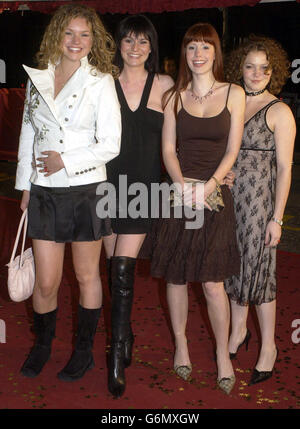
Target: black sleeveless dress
(209, 253)
(139, 161)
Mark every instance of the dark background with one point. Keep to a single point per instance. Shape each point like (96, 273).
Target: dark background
(21, 32)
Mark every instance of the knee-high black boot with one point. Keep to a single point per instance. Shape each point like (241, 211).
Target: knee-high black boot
(130, 339)
(82, 357)
(44, 328)
(122, 298)
(108, 270)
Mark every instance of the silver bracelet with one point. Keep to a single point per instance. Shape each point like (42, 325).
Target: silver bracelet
(277, 221)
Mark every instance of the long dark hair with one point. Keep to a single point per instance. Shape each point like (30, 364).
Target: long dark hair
(198, 32)
(138, 25)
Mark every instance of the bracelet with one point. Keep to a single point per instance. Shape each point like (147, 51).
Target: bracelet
(277, 221)
(216, 180)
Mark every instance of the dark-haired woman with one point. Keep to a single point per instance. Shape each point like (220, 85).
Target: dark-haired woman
(140, 90)
(204, 115)
(263, 178)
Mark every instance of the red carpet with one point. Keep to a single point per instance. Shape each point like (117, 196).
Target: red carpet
(151, 383)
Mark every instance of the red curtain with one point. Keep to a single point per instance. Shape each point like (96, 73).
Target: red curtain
(130, 6)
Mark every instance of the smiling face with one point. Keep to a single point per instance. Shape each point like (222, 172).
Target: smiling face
(77, 40)
(256, 75)
(200, 56)
(135, 50)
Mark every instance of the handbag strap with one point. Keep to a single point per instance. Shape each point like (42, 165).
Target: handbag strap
(23, 221)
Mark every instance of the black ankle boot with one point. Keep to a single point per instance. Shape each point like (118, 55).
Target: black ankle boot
(44, 328)
(122, 338)
(82, 357)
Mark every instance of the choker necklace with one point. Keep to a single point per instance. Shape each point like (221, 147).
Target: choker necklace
(253, 94)
(201, 98)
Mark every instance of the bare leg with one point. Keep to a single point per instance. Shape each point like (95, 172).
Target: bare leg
(109, 245)
(219, 315)
(129, 244)
(48, 256)
(239, 314)
(86, 256)
(177, 297)
(266, 314)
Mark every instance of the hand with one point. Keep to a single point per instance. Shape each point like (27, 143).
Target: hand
(25, 200)
(273, 234)
(209, 187)
(192, 197)
(50, 164)
(229, 179)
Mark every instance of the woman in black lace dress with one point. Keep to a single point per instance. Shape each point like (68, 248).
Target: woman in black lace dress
(263, 177)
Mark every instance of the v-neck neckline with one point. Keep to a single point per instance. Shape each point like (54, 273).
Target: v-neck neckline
(141, 103)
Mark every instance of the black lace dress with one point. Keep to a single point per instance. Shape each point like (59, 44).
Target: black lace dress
(253, 195)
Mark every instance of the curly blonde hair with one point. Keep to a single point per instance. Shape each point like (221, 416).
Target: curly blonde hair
(276, 55)
(103, 47)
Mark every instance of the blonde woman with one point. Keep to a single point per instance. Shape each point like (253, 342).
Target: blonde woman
(71, 129)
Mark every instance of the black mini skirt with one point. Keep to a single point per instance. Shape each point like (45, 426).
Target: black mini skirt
(66, 214)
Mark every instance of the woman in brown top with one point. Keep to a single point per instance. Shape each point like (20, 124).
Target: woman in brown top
(263, 177)
(205, 115)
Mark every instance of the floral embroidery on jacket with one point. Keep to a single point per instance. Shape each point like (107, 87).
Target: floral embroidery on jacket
(31, 104)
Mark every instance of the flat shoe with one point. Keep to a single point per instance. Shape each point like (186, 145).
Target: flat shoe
(226, 384)
(183, 371)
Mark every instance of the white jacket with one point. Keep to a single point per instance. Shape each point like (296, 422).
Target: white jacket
(83, 124)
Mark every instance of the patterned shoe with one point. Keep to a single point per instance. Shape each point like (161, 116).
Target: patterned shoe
(226, 384)
(183, 371)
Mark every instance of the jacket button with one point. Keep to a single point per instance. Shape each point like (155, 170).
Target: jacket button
(70, 107)
(66, 119)
(74, 95)
(61, 141)
(77, 172)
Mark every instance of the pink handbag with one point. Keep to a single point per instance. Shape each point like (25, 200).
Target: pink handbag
(21, 272)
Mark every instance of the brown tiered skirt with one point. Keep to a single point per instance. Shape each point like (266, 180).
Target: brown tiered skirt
(209, 253)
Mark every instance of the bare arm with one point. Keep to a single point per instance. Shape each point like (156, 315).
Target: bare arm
(169, 144)
(281, 120)
(236, 106)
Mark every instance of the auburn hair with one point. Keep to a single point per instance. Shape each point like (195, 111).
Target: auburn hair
(200, 32)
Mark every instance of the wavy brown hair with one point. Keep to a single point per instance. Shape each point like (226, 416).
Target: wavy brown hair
(103, 47)
(276, 56)
(196, 33)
